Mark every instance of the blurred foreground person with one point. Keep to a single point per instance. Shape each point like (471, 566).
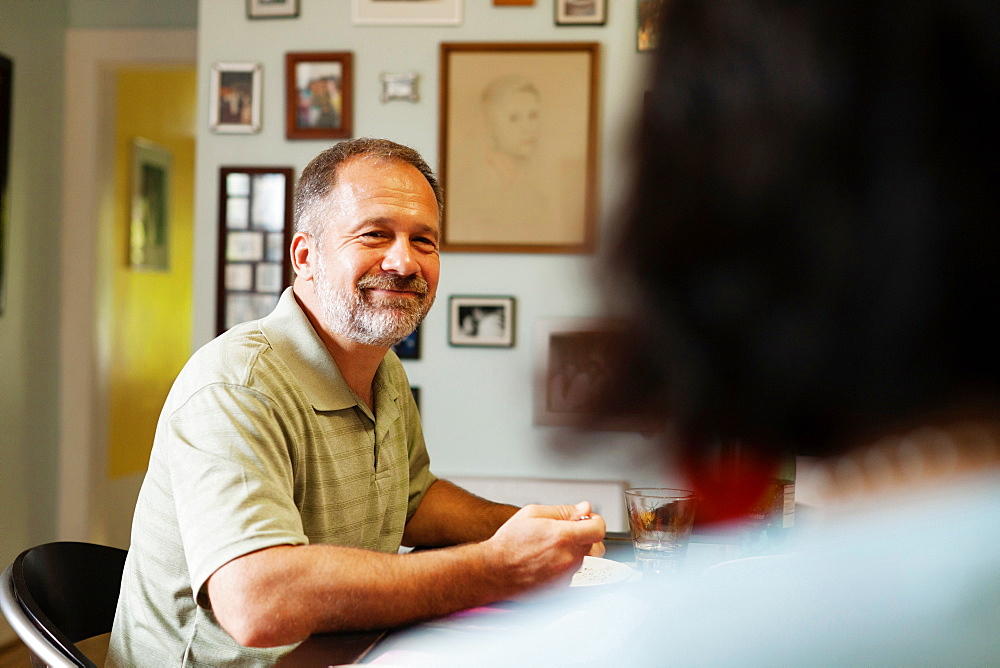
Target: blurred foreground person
(811, 250)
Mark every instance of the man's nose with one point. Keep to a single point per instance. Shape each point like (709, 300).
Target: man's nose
(399, 259)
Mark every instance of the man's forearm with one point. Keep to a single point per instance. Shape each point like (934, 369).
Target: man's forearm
(449, 515)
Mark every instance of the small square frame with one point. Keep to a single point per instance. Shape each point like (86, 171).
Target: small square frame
(399, 86)
(272, 9)
(327, 77)
(482, 321)
(581, 12)
(235, 98)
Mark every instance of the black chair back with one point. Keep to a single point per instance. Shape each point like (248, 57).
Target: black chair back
(70, 591)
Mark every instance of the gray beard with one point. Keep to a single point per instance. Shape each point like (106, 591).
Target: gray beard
(357, 317)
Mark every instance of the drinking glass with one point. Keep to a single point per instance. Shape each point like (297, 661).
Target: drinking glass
(660, 520)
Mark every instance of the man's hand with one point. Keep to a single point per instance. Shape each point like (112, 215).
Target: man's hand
(541, 545)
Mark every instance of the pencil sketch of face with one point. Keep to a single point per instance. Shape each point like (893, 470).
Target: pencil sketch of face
(511, 106)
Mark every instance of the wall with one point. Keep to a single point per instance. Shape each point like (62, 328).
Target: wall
(476, 403)
(29, 325)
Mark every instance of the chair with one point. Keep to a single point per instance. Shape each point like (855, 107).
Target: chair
(57, 594)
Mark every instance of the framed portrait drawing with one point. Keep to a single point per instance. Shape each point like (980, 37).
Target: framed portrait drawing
(272, 9)
(581, 12)
(406, 12)
(518, 146)
(149, 210)
(235, 98)
(481, 321)
(318, 95)
(255, 227)
(573, 363)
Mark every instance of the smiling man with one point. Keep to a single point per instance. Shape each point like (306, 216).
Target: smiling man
(289, 464)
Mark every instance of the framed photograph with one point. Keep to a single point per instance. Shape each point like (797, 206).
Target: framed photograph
(513, 3)
(406, 12)
(6, 95)
(647, 32)
(519, 146)
(235, 98)
(318, 93)
(573, 363)
(409, 348)
(272, 9)
(481, 321)
(581, 12)
(415, 391)
(149, 216)
(254, 267)
(399, 86)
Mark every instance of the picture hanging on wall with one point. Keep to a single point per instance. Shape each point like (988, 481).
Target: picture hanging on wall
(572, 368)
(399, 86)
(255, 221)
(149, 218)
(406, 12)
(518, 146)
(409, 348)
(235, 98)
(647, 24)
(481, 321)
(581, 12)
(6, 93)
(272, 9)
(318, 95)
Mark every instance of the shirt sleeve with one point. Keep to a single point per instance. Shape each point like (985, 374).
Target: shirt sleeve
(232, 479)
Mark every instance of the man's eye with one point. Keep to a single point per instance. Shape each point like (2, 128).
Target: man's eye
(374, 234)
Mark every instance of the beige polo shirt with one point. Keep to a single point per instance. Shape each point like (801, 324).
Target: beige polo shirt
(260, 443)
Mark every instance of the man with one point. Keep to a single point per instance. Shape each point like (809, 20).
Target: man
(289, 465)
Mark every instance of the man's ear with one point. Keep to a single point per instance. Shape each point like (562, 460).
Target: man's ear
(302, 249)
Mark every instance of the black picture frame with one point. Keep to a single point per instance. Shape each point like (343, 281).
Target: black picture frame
(409, 348)
(481, 321)
(6, 100)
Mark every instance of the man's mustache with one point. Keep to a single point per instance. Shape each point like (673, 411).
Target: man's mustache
(389, 282)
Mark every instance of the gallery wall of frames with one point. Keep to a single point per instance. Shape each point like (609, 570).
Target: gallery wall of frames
(522, 108)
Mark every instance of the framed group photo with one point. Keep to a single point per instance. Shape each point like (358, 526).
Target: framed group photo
(481, 321)
(235, 98)
(318, 95)
(518, 146)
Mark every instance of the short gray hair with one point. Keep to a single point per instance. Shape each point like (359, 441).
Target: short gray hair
(320, 175)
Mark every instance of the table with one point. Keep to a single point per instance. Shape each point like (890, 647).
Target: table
(326, 649)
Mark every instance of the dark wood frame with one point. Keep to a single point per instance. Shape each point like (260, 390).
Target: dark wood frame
(6, 100)
(292, 128)
(589, 144)
(286, 264)
(563, 20)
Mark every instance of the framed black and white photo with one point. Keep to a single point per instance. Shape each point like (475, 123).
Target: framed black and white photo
(235, 98)
(409, 348)
(255, 221)
(481, 321)
(272, 9)
(581, 12)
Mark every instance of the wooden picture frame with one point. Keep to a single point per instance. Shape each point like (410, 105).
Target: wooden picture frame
(581, 12)
(272, 9)
(481, 321)
(518, 146)
(318, 95)
(6, 100)
(235, 98)
(406, 12)
(149, 211)
(255, 230)
(573, 360)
